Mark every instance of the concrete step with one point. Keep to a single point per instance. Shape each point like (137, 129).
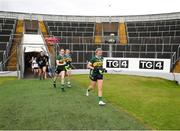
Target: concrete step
(11, 68)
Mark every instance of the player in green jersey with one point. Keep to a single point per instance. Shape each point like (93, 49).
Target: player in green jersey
(96, 74)
(68, 66)
(60, 68)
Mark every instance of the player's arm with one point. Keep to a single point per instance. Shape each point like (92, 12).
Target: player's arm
(89, 66)
(57, 62)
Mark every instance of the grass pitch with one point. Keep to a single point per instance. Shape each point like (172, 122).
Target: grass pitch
(154, 101)
(132, 103)
(34, 104)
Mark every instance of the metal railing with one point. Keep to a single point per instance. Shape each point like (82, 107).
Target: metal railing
(173, 59)
(1, 66)
(178, 52)
(6, 52)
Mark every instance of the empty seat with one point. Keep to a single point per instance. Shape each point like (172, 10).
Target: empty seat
(5, 32)
(164, 55)
(119, 48)
(1, 55)
(4, 38)
(9, 21)
(147, 55)
(75, 32)
(167, 48)
(151, 48)
(58, 24)
(78, 47)
(3, 46)
(6, 26)
(117, 54)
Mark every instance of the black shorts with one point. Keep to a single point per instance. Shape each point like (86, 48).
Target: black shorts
(41, 66)
(95, 77)
(59, 69)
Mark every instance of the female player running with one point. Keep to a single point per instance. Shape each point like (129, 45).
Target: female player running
(60, 68)
(35, 67)
(68, 66)
(42, 61)
(96, 74)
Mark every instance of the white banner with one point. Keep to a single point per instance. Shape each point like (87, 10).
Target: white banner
(137, 64)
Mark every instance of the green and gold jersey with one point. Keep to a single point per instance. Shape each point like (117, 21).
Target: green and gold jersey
(68, 58)
(61, 59)
(96, 62)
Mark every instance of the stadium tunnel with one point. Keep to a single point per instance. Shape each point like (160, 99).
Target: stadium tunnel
(30, 47)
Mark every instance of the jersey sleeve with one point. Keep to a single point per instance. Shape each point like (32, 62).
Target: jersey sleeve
(91, 60)
(58, 57)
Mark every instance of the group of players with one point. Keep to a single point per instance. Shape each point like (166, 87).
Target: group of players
(63, 69)
(39, 65)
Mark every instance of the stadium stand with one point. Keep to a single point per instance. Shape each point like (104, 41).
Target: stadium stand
(156, 36)
(72, 32)
(7, 28)
(153, 39)
(12, 62)
(137, 39)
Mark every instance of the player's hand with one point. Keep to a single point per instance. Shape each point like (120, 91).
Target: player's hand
(67, 67)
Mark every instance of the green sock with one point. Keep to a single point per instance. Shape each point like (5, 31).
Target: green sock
(100, 98)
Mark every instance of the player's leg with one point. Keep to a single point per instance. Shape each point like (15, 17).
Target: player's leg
(91, 87)
(100, 91)
(57, 73)
(62, 80)
(54, 80)
(68, 77)
(44, 72)
(40, 72)
(35, 72)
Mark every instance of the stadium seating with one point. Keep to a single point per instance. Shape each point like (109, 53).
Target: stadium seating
(72, 32)
(161, 37)
(158, 32)
(149, 38)
(11, 65)
(7, 28)
(138, 39)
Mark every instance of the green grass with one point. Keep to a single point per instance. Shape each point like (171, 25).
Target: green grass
(34, 104)
(155, 102)
(132, 103)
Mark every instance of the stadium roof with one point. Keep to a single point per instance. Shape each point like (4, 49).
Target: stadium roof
(91, 7)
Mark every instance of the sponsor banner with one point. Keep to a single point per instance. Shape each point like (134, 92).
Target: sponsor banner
(137, 64)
